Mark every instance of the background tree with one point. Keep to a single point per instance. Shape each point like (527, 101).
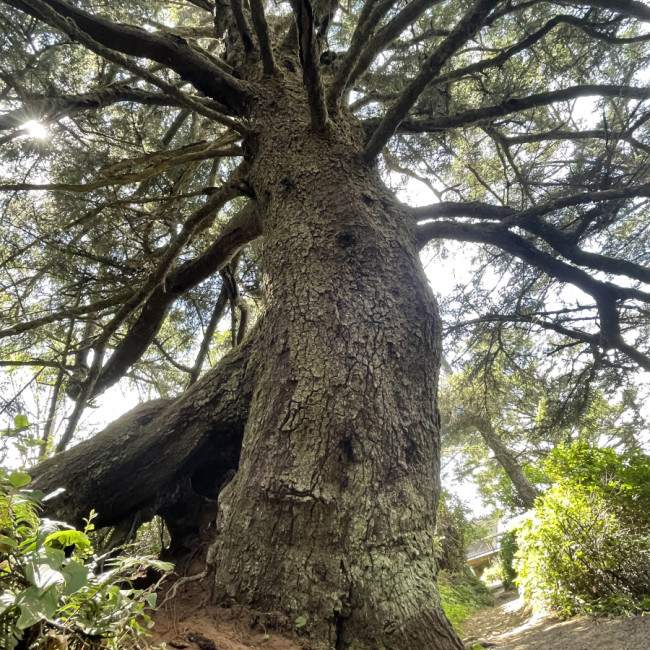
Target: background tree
(511, 403)
(180, 134)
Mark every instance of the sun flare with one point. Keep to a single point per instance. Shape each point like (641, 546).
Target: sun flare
(34, 129)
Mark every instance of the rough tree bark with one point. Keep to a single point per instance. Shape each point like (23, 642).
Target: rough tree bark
(141, 461)
(331, 513)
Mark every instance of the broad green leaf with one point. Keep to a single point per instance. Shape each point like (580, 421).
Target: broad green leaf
(151, 599)
(68, 538)
(19, 479)
(42, 575)
(7, 599)
(75, 576)
(36, 606)
(301, 621)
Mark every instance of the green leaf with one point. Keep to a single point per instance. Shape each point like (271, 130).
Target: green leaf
(42, 575)
(53, 557)
(76, 577)
(19, 479)
(151, 599)
(68, 538)
(7, 599)
(21, 422)
(35, 606)
(301, 621)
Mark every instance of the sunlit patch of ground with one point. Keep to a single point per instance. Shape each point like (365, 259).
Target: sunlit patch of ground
(510, 625)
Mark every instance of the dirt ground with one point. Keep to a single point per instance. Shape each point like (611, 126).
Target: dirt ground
(187, 621)
(510, 625)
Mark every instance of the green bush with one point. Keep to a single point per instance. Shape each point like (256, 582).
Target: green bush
(461, 594)
(48, 590)
(585, 547)
(492, 574)
(453, 531)
(507, 554)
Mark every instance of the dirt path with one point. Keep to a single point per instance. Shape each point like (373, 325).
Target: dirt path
(510, 625)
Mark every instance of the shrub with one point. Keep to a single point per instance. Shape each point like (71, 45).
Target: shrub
(49, 595)
(453, 531)
(492, 573)
(585, 547)
(461, 594)
(507, 553)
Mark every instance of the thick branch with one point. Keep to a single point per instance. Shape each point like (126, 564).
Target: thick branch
(205, 214)
(371, 14)
(97, 306)
(51, 108)
(516, 105)
(384, 37)
(525, 44)
(498, 235)
(605, 294)
(465, 30)
(530, 220)
(310, 65)
(262, 32)
(170, 51)
(639, 357)
(632, 8)
(240, 230)
(478, 210)
(156, 442)
(242, 25)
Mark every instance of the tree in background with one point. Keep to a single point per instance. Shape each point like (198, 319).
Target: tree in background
(180, 134)
(511, 404)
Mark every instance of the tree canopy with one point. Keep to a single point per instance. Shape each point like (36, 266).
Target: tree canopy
(527, 121)
(167, 165)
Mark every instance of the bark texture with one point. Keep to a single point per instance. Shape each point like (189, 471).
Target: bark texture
(143, 460)
(331, 402)
(331, 514)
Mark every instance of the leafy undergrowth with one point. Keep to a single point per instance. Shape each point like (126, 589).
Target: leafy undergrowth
(461, 594)
(54, 591)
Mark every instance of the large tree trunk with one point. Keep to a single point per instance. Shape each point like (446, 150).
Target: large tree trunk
(331, 515)
(143, 461)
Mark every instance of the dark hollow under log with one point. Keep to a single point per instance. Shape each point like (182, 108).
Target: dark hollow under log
(141, 461)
